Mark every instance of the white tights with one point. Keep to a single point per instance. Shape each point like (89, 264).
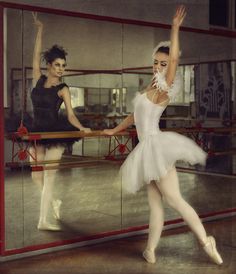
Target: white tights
(168, 189)
(46, 179)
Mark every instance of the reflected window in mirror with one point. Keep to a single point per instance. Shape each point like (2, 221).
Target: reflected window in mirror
(186, 95)
(77, 97)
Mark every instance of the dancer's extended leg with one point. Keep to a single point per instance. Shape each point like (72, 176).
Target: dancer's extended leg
(169, 188)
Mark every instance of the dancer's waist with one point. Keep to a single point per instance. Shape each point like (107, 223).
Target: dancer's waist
(147, 134)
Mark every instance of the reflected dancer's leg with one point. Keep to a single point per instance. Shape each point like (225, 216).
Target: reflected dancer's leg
(37, 176)
(54, 153)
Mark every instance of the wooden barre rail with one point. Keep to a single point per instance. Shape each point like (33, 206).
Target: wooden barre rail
(62, 164)
(95, 159)
(21, 145)
(65, 134)
(99, 133)
(56, 164)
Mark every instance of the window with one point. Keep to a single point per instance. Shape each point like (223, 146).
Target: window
(235, 14)
(219, 13)
(187, 92)
(77, 97)
(233, 71)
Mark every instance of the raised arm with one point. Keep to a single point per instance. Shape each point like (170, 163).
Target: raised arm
(128, 121)
(174, 46)
(37, 49)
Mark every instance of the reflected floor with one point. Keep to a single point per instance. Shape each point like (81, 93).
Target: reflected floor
(92, 202)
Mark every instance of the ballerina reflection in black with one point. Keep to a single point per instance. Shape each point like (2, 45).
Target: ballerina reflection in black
(47, 96)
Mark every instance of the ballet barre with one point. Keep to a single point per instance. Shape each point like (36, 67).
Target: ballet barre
(24, 141)
(21, 143)
(70, 134)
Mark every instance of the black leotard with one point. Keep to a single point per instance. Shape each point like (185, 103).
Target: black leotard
(46, 105)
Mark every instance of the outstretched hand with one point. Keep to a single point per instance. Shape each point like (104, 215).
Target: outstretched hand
(86, 129)
(37, 22)
(108, 132)
(179, 16)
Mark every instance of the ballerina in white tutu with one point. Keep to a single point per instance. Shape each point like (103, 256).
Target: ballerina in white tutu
(152, 162)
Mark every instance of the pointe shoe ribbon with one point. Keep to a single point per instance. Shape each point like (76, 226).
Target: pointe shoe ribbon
(210, 249)
(149, 256)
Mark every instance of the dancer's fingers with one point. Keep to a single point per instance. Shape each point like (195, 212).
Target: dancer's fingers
(35, 14)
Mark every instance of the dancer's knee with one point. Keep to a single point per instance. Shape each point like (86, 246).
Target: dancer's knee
(174, 202)
(154, 198)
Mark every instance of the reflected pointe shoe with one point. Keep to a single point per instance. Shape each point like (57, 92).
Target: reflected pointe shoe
(48, 226)
(149, 256)
(56, 205)
(210, 249)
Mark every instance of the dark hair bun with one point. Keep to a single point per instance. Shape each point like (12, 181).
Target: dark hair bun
(53, 53)
(165, 50)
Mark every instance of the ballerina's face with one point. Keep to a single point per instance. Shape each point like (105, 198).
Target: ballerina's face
(57, 67)
(160, 62)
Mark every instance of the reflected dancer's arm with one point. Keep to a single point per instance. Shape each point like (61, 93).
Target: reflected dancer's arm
(37, 49)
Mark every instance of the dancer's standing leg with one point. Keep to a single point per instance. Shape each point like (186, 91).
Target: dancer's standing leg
(37, 176)
(53, 153)
(156, 221)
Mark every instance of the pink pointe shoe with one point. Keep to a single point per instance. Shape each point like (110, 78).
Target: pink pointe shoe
(210, 249)
(149, 256)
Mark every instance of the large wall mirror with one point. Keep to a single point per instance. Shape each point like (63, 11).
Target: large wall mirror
(89, 206)
(107, 63)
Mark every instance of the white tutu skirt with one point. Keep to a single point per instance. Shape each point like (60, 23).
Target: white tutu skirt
(155, 155)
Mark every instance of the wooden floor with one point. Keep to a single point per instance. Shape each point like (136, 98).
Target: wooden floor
(178, 252)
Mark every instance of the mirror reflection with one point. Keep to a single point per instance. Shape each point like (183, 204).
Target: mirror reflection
(56, 177)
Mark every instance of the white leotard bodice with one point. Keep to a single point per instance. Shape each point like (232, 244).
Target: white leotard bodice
(146, 116)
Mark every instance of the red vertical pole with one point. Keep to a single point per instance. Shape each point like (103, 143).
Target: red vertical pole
(2, 211)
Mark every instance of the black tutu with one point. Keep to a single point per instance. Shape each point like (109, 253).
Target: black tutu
(62, 125)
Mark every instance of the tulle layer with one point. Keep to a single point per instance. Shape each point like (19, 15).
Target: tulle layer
(155, 155)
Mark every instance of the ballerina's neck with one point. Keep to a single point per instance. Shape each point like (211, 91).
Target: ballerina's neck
(49, 84)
